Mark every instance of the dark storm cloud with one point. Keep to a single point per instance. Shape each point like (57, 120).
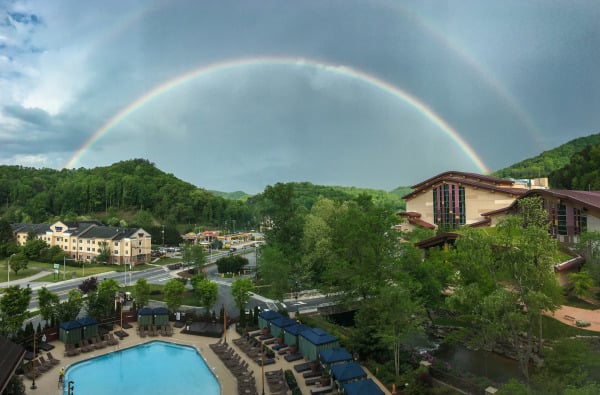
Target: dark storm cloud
(512, 78)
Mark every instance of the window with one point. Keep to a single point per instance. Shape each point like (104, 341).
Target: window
(449, 206)
(562, 220)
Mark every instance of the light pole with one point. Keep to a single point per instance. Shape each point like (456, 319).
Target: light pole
(33, 386)
(8, 269)
(65, 259)
(262, 362)
(163, 235)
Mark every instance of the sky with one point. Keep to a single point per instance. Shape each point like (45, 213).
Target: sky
(236, 95)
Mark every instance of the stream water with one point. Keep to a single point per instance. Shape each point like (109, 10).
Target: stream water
(495, 367)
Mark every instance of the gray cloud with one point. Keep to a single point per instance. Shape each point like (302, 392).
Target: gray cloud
(512, 79)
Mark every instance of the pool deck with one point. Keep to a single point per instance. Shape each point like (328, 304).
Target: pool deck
(47, 383)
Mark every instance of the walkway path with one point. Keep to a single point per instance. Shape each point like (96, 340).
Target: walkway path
(569, 315)
(26, 280)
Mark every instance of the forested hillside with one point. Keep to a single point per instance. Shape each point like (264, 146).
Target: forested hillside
(581, 173)
(147, 196)
(548, 161)
(306, 194)
(39, 195)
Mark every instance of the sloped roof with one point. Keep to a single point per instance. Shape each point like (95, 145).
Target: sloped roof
(318, 336)
(70, 325)
(87, 321)
(296, 329)
(160, 311)
(145, 311)
(283, 322)
(269, 315)
(362, 387)
(37, 228)
(471, 179)
(11, 355)
(335, 354)
(347, 371)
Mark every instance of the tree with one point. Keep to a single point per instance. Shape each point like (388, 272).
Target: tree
(365, 249)
(13, 309)
(48, 302)
(397, 317)
(583, 283)
(589, 248)
(173, 291)
(495, 275)
(7, 238)
(88, 285)
(240, 291)
(18, 262)
(194, 256)
(104, 253)
(141, 292)
(33, 248)
(206, 291)
(70, 308)
(101, 304)
(15, 386)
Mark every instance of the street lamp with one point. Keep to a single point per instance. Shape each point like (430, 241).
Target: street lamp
(65, 259)
(33, 386)
(8, 271)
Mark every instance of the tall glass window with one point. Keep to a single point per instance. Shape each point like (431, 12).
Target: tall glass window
(449, 206)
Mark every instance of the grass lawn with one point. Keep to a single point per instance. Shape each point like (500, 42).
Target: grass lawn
(555, 330)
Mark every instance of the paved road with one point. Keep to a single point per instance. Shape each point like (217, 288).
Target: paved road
(156, 275)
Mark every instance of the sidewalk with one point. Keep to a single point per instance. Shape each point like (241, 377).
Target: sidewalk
(26, 280)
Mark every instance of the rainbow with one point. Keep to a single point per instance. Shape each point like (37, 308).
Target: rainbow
(242, 63)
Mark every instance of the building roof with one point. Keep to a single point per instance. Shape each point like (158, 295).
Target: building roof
(160, 311)
(471, 179)
(269, 315)
(318, 336)
(283, 322)
(11, 355)
(25, 228)
(296, 329)
(70, 325)
(335, 354)
(362, 387)
(588, 199)
(438, 240)
(347, 371)
(145, 311)
(87, 321)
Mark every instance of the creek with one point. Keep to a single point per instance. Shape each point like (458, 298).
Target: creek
(495, 367)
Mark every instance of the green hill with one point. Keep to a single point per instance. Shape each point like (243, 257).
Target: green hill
(548, 161)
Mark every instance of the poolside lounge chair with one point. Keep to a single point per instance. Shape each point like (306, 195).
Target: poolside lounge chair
(85, 346)
(30, 372)
(302, 367)
(293, 357)
(47, 362)
(40, 366)
(52, 359)
(97, 343)
(71, 351)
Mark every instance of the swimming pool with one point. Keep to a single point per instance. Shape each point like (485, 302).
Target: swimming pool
(152, 368)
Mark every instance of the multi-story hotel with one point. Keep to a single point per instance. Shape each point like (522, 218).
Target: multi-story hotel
(83, 241)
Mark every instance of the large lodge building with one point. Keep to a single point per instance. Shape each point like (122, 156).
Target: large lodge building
(453, 199)
(82, 241)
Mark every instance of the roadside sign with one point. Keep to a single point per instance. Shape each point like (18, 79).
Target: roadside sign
(56, 266)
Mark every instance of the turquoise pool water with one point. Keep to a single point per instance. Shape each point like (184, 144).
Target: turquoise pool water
(152, 368)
